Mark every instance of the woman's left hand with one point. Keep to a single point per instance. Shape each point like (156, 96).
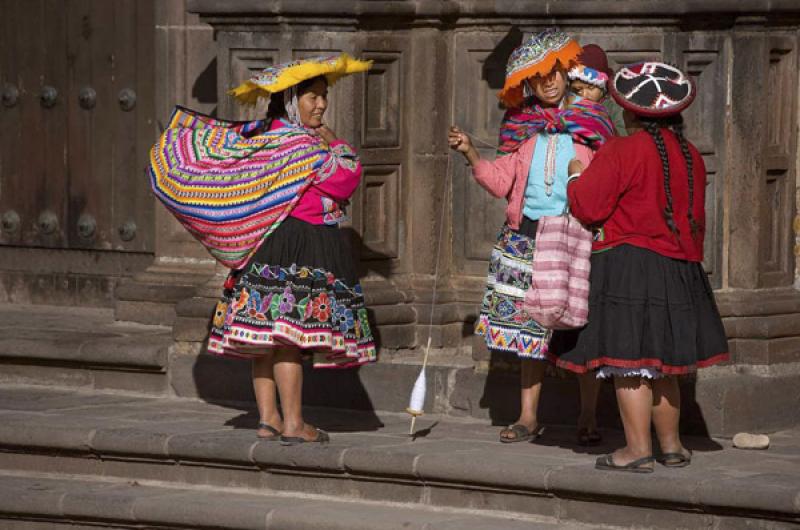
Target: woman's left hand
(326, 134)
(575, 166)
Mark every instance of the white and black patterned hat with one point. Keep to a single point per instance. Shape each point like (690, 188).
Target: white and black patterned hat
(653, 89)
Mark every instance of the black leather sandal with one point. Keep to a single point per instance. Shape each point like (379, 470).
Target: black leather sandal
(321, 438)
(521, 433)
(275, 433)
(606, 463)
(674, 459)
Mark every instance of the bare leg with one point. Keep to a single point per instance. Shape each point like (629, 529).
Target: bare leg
(531, 375)
(264, 388)
(589, 386)
(635, 399)
(667, 414)
(289, 378)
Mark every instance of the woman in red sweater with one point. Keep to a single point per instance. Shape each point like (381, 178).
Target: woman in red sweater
(652, 314)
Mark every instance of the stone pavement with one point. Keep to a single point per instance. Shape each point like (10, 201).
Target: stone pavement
(85, 457)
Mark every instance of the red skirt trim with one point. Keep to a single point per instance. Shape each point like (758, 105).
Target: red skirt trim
(639, 363)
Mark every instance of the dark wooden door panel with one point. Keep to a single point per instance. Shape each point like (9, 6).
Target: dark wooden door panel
(71, 169)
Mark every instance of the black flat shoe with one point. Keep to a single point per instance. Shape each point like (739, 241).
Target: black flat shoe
(321, 438)
(274, 433)
(521, 433)
(587, 437)
(606, 463)
(674, 459)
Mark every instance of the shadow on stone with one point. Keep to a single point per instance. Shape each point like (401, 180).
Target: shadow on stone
(559, 405)
(228, 382)
(494, 67)
(329, 419)
(204, 89)
(692, 420)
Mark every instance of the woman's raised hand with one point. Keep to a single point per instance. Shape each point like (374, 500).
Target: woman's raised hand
(458, 140)
(326, 134)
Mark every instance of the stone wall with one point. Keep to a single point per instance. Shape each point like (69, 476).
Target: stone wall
(439, 63)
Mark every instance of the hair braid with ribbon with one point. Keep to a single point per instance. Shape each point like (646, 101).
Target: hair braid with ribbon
(677, 128)
(653, 128)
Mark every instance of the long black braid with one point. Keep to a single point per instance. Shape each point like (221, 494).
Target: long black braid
(677, 128)
(654, 129)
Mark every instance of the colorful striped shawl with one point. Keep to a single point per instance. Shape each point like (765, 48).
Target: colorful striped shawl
(228, 190)
(587, 122)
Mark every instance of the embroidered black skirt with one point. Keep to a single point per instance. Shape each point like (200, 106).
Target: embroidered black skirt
(299, 289)
(649, 315)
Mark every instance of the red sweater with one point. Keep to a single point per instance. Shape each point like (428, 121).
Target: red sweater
(623, 190)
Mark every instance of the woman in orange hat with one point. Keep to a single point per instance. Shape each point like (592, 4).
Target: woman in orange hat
(541, 133)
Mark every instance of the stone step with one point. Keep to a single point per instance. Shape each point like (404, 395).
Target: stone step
(720, 401)
(450, 464)
(53, 501)
(81, 347)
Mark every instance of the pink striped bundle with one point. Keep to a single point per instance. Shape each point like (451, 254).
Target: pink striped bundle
(559, 294)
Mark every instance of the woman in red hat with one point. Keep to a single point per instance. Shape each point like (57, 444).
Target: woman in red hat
(652, 314)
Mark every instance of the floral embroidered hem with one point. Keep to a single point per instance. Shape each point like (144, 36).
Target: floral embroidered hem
(270, 306)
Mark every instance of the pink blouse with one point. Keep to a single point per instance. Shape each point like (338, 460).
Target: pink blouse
(507, 176)
(335, 182)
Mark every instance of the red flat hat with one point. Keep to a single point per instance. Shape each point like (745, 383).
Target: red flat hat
(653, 89)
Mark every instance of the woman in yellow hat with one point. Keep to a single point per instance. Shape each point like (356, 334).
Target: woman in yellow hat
(266, 199)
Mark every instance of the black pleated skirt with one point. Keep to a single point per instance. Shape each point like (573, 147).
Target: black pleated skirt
(648, 314)
(299, 289)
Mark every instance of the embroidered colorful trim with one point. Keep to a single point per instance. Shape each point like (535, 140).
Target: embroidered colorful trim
(653, 89)
(279, 77)
(340, 155)
(229, 191)
(297, 305)
(503, 321)
(588, 75)
(538, 55)
(585, 121)
(657, 364)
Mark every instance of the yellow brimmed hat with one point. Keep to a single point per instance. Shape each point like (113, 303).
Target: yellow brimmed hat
(537, 56)
(279, 77)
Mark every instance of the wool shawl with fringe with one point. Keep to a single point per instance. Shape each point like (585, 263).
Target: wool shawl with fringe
(230, 184)
(586, 122)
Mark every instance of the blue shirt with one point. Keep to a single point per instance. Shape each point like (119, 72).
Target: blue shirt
(537, 202)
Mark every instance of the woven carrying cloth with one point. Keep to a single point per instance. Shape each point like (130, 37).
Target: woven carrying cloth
(279, 77)
(231, 191)
(585, 121)
(653, 89)
(538, 55)
(558, 297)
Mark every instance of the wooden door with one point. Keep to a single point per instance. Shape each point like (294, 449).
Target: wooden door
(76, 118)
